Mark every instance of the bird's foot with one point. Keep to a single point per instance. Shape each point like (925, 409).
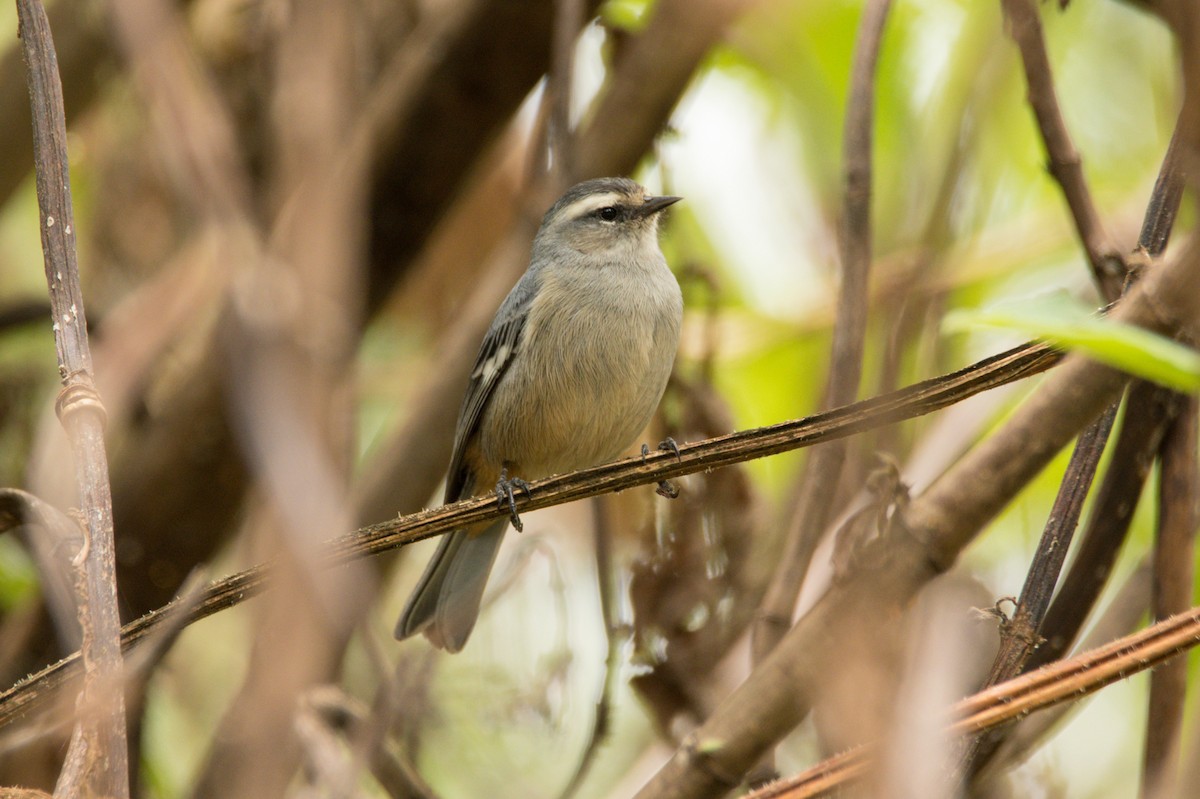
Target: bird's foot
(665, 487)
(506, 496)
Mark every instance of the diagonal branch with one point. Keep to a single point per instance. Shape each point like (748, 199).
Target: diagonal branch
(1020, 633)
(917, 400)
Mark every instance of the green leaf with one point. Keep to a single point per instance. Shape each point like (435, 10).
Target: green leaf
(1064, 322)
(626, 15)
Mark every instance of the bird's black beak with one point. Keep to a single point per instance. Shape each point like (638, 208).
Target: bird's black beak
(653, 205)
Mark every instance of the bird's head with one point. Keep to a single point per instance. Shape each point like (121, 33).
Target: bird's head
(612, 217)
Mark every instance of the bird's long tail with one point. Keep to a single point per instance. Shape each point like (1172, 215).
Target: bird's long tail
(445, 603)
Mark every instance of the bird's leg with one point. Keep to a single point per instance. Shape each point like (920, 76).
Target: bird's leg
(665, 487)
(506, 497)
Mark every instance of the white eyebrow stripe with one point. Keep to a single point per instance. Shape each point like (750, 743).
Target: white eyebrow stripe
(585, 205)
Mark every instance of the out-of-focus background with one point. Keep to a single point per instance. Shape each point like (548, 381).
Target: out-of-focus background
(295, 220)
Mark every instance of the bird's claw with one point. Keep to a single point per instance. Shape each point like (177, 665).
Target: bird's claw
(506, 497)
(665, 487)
(666, 445)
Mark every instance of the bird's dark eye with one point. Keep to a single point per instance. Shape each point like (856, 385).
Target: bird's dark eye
(608, 213)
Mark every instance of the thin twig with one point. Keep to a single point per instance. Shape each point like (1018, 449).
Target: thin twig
(1164, 202)
(1109, 267)
(1178, 487)
(824, 466)
(1020, 634)
(98, 756)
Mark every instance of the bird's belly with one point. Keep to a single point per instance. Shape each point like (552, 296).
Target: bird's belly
(586, 402)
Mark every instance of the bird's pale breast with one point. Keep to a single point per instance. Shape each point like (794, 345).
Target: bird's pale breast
(604, 367)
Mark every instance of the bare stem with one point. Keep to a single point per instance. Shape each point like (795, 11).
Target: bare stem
(1066, 166)
(97, 762)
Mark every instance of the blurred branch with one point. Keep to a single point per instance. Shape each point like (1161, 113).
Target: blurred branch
(1109, 266)
(475, 74)
(178, 493)
(349, 719)
(1173, 558)
(20, 313)
(568, 19)
(1063, 682)
(823, 468)
(97, 760)
(85, 55)
(647, 82)
(288, 335)
(195, 130)
(907, 403)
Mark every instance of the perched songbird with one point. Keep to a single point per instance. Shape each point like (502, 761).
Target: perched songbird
(568, 375)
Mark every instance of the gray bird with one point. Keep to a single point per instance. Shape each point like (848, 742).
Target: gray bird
(568, 375)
